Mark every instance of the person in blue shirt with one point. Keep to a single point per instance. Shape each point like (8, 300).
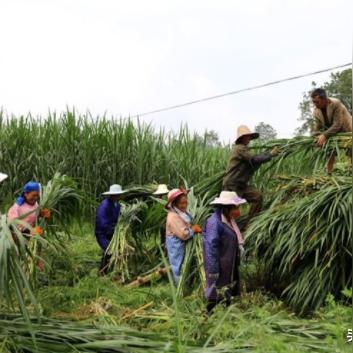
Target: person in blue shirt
(107, 217)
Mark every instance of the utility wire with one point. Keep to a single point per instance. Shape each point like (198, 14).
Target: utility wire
(171, 107)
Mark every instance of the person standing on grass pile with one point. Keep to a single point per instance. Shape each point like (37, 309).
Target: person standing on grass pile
(26, 209)
(222, 249)
(330, 118)
(179, 229)
(160, 193)
(242, 166)
(107, 217)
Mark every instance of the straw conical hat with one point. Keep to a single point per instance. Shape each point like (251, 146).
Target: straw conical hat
(243, 130)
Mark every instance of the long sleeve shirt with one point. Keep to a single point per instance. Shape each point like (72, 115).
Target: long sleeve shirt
(17, 212)
(220, 252)
(178, 231)
(337, 119)
(107, 216)
(242, 165)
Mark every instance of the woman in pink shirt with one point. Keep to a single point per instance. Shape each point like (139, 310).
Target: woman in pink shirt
(26, 208)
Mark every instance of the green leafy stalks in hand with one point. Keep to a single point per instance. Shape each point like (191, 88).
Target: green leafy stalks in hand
(119, 248)
(19, 254)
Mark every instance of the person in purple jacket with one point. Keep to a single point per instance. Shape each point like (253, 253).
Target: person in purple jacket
(107, 217)
(222, 248)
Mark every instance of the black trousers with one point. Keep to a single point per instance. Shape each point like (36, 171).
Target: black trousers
(233, 289)
(104, 265)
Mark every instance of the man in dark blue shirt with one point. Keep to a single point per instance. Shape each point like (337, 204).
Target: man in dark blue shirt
(107, 217)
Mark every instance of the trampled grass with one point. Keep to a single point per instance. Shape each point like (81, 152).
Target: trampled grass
(255, 323)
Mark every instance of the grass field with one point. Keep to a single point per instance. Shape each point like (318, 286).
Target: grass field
(296, 277)
(258, 322)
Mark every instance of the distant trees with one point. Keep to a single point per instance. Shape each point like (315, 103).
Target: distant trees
(211, 138)
(266, 131)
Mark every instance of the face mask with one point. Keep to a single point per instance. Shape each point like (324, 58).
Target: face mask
(236, 213)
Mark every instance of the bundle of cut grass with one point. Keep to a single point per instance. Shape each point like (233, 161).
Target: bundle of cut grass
(228, 332)
(65, 337)
(340, 141)
(305, 243)
(192, 269)
(293, 186)
(19, 254)
(140, 191)
(120, 248)
(15, 287)
(305, 150)
(153, 216)
(210, 186)
(61, 196)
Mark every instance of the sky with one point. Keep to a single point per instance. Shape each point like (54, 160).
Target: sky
(124, 58)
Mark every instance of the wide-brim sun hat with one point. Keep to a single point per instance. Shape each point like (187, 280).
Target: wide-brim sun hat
(114, 189)
(243, 130)
(161, 190)
(228, 198)
(173, 195)
(3, 177)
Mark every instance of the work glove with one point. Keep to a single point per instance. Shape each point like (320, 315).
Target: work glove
(45, 213)
(41, 265)
(37, 231)
(275, 151)
(321, 140)
(196, 229)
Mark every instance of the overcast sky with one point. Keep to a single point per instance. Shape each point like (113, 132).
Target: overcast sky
(128, 57)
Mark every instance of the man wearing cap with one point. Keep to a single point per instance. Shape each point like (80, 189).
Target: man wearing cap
(107, 216)
(242, 166)
(330, 118)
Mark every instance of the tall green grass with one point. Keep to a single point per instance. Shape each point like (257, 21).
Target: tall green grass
(97, 151)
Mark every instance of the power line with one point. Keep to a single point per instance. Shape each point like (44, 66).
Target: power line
(171, 107)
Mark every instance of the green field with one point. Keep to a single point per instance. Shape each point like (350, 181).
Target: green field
(296, 277)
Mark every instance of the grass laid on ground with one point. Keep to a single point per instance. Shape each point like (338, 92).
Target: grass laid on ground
(256, 322)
